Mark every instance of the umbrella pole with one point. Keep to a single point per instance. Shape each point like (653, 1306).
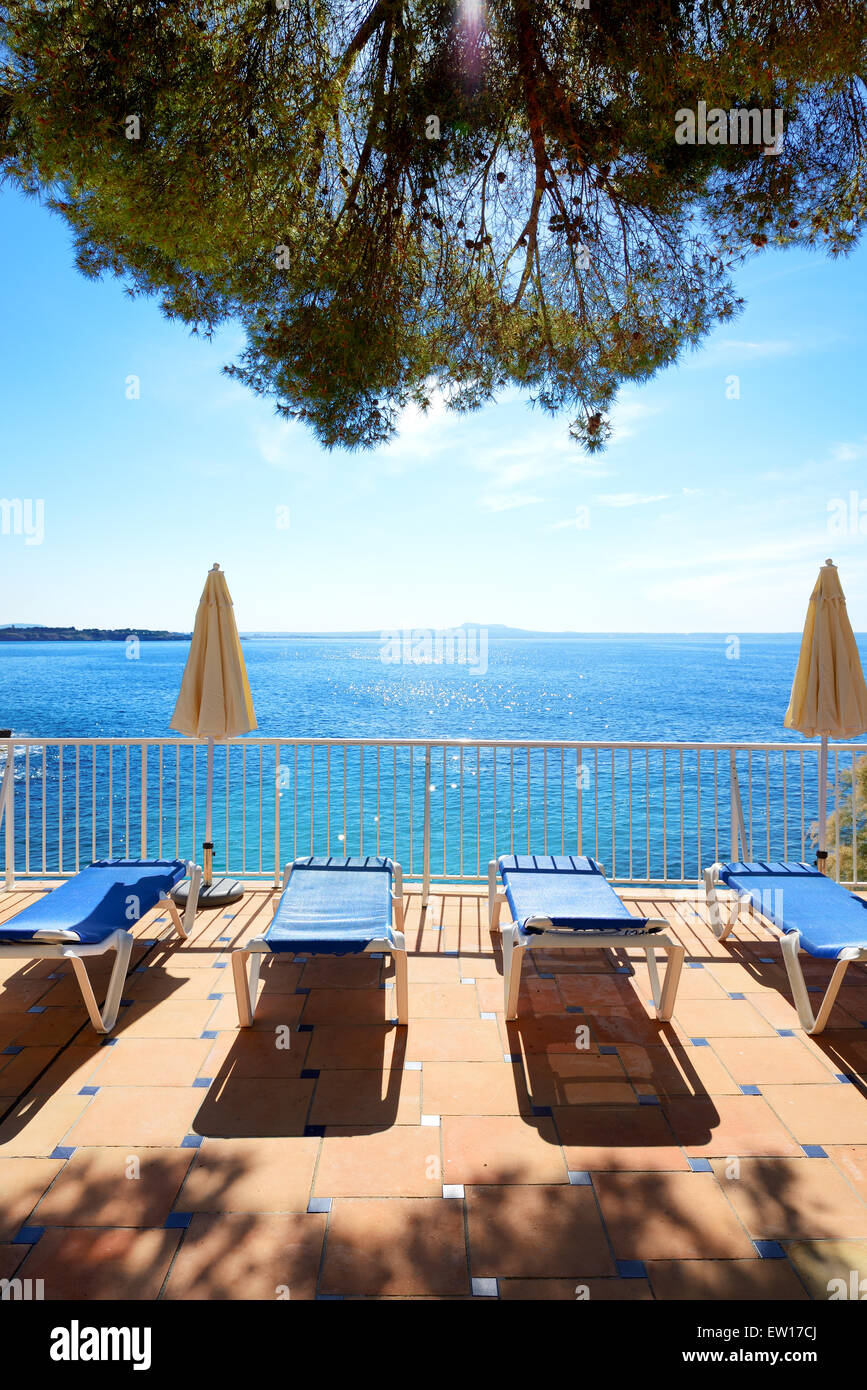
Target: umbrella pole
(208, 846)
(822, 853)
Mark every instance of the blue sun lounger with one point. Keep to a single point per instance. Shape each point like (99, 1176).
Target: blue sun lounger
(91, 913)
(808, 912)
(332, 907)
(563, 901)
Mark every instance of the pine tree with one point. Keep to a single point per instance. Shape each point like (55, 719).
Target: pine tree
(399, 196)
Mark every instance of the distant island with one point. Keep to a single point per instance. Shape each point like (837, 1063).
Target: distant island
(89, 634)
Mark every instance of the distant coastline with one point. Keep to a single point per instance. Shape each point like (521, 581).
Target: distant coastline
(89, 634)
(33, 632)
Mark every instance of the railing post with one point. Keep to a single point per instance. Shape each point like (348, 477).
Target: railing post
(7, 810)
(143, 811)
(736, 810)
(277, 790)
(425, 882)
(579, 773)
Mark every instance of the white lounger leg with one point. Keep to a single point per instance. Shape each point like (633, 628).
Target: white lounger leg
(104, 1020)
(791, 944)
(195, 872)
(720, 928)
(495, 897)
(513, 957)
(183, 925)
(246, 984)
(664, 999)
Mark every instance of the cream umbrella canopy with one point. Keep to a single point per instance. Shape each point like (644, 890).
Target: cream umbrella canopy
(829, 696)
(214, 702)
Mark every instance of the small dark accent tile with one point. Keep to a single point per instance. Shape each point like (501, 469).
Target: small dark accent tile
(699, 1042)
(769, 1250)
(178, 1220)
(61, 1152)
(631, 1269)
(750, 1091)
(814, 1151)
(699, 1165)
(28, 1235)
(309, 1073)
(314, 1131)
(191, 1141)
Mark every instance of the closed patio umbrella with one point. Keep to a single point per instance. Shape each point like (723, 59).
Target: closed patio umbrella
(214, 703)
(829, 697)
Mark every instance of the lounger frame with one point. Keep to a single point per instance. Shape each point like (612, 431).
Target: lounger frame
(62, 945)
(790, 944)
(247, 960)
(514, 946)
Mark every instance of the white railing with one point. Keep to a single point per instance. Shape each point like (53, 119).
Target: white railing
(653, 813)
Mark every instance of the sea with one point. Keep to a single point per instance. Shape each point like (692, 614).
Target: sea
(652, 818)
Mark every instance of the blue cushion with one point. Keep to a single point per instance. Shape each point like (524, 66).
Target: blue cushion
(797, 897)
(333, 906)
(569, 890)
(97, 901)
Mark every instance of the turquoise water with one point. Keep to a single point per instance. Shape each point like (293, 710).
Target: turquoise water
(621, 688)
(642, 818)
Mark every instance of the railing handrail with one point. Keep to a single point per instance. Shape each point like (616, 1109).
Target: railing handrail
(387, 741)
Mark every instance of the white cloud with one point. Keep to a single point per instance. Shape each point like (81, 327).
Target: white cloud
(849, 452)
(283, 444)
(733, 351)
(628, 413)
(630, 499)
(508, 502)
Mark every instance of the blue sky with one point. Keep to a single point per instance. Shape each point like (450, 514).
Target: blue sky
(706, 513)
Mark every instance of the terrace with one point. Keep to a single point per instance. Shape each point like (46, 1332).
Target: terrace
(585, 1150)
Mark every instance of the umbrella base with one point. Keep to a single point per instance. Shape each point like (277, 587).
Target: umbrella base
(218, 893)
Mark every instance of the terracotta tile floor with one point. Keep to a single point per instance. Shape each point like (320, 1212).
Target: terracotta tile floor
(583, 1152)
